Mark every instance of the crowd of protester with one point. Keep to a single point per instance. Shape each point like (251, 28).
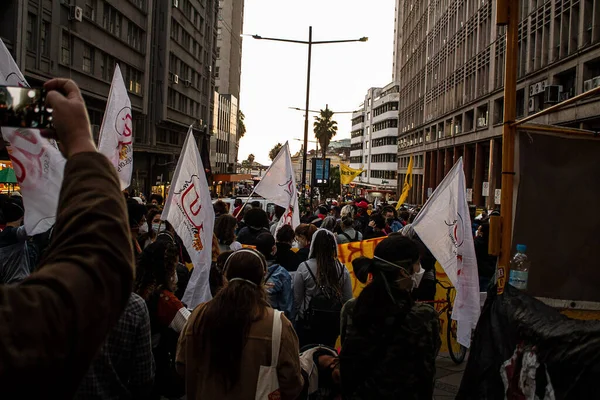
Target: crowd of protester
(88, 335)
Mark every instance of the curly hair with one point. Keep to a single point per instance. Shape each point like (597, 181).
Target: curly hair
(225, 228)
(156, 269)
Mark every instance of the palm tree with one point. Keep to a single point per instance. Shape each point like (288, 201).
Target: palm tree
(274, 151)
(325, 129)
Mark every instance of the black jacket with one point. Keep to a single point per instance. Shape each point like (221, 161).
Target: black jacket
(287, 258)
(248, 235)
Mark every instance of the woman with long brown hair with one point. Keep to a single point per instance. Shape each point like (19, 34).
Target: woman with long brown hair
(228, 340)
(321, 287)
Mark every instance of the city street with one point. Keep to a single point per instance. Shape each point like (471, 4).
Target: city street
(448, 377)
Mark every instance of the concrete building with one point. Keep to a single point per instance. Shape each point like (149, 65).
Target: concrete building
(374, 141)
(227, 81)
(164, 49)
(449, 64)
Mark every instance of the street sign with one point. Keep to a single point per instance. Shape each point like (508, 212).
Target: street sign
(486, 189)
(497, 196)
(469, 194)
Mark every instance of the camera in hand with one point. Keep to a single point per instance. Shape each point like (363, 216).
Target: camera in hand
(24, 108)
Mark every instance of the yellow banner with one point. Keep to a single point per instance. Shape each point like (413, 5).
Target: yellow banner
(408, 182)
(348, 174)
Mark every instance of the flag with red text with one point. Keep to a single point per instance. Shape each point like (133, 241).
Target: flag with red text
(189, 209)
(116, 134)
(37, 162)
(444, 225)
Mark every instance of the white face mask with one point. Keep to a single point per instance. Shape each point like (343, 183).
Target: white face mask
(416, 278)
(143, 228)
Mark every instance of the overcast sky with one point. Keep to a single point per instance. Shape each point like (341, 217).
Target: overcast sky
(274, 74)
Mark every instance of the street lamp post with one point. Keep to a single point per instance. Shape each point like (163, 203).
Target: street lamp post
(310, 43)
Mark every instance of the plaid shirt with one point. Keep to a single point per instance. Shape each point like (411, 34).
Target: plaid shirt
(124, 367)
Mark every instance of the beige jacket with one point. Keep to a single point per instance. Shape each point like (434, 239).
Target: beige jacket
(201, 385)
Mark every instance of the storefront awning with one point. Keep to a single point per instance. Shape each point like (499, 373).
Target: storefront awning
(231, 177)
(7, 175)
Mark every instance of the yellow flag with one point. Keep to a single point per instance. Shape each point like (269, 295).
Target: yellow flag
(348, 174)
(408, 182)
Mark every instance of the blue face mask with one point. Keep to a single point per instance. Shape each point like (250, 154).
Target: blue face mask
(156, 227)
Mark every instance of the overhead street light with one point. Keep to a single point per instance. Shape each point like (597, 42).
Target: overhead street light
(310, 43)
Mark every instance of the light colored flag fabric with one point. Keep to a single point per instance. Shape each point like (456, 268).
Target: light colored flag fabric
(279, 186)
(116, 133)
(348, 174)
(444, 225)
(408, 183)
(38, 164)
(189, 209)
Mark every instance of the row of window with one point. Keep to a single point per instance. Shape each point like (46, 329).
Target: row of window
(388, 123)
(185, 105)
(378, 174)
(192, 14)
(98, 63)
(417, 163)
(358, 120)
(380, 158)
(181, 36)
(393, 106)
(356, 160)
(385, 141)
(35, 30)
(112, 21)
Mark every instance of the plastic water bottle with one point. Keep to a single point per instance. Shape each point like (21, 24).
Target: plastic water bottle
(519, 268)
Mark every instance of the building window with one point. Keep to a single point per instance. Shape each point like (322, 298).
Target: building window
(133, 80)
(107, 67)
(141, 4)
(89, 9)
(112, 20)
(134, 36)
(65, 54)
(171, 98)
(217, 72)
(218, 53)
(174, 30)
(45, 38)
(30, 41)
(88, 59)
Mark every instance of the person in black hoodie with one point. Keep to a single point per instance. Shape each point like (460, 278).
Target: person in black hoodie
(257, 222)
(285, 256)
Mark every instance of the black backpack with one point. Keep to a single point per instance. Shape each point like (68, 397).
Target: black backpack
(322, 317)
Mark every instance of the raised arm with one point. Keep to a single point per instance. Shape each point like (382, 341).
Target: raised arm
(52, 325)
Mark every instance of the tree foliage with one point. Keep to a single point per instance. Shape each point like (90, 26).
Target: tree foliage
(325, 129)
(275, 150)
(241, 125)
(251, 159)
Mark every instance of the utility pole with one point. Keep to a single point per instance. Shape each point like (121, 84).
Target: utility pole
(508, 14)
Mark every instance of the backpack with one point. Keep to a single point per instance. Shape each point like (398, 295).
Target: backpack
(349, 238)
(321, 322)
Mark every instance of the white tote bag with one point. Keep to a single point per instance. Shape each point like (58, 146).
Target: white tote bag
(267, 387)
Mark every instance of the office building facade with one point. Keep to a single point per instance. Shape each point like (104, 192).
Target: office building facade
(449, 64)
(374, 141)
(166, 53)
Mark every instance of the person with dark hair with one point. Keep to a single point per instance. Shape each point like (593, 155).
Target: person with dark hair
(323, 275)
(137, 224)
(225, 232)
(486, 263)
(278, 281)
(276, 217)
(228, 341)
(168, 236)
(156, 199)
(285, 256)
(256, 204)
(153, 221)
(376, 227)
(237, 209)
(156, 282)
(427, 288)
(391, 219)
(348, 234)
(220, 208)
(14, 252)
(392, 342)
(304, 235)
(257, 222)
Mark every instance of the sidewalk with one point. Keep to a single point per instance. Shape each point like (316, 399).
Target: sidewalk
(448, 377)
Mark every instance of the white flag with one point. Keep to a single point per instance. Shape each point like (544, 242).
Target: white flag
(38, 164)
(279, 186)
(444, 225)
(116, 134)
(189, 209)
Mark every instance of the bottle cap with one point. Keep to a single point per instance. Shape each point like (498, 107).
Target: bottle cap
(521, 248)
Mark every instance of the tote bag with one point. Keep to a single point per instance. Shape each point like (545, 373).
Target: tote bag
(267, 387)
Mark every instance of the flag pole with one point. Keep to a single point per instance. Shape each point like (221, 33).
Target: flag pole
(246, 203)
